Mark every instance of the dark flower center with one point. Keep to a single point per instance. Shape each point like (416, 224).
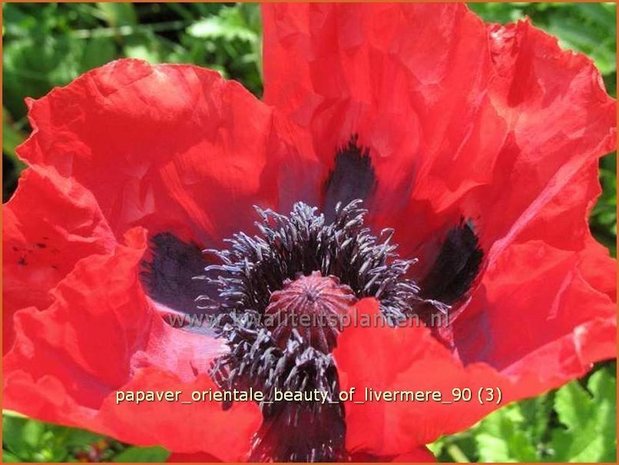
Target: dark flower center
(253, 268)
(278, 299)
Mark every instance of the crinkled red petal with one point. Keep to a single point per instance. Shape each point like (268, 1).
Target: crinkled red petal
(167, 147)
(461, 119)
(530, 336)
(49, 224)
(496, 124)
(101, 335)
(492, 123)
(410, 80)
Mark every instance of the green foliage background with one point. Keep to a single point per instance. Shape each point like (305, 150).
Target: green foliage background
(47, 45)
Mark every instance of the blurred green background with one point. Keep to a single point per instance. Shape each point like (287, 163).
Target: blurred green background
(47, 45)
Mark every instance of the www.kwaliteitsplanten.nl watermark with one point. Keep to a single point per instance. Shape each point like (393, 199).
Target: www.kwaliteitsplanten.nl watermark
(307, 320)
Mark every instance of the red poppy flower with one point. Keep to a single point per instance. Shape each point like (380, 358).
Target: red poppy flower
(477, 145)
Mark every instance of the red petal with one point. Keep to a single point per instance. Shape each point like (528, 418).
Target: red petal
(536, 312)
(200, 427)
(410, 80)
(532, 332)
(453, 112)
(569, 211)
(167, 147)
(494, 124)
(49, 224)
(559, 120)
(552, 121)
(101, 335)
(552, 282)
(387, 359)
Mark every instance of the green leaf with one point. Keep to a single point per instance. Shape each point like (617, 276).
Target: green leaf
(574, 405)
(501, 437)
(11, 136)
(229, 25)
(118, 14)
(143, 46)
(97, 52)
(603, 386)
(142, 454)
(588, 418)
(73, 437)
(24, 438)
(14, 436)
(7, 457)
(536, 414)
(31, 440)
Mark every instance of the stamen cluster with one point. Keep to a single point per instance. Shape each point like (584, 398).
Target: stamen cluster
(347, 262)
(255, 267)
